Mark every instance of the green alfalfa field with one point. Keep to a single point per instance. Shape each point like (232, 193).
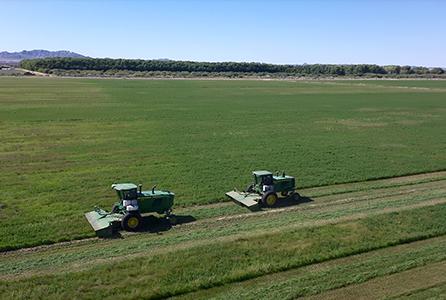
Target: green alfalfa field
(64, 141)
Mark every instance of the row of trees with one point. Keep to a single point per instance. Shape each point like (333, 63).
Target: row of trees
(138, 65)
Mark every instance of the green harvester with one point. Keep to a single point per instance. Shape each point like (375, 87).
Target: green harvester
(266, 190)
(126, 213)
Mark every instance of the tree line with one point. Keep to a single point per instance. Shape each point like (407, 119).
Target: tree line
(138, 65)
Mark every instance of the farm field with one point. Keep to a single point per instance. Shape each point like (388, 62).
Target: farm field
(369, 157)
(348, 234)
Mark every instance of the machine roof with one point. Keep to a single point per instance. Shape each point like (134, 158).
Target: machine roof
(262, 173)
(123, 186)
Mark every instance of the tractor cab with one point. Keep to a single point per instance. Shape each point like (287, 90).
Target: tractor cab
(126, 191)
(133, 198)
(128, 197)
(262, 179)
(265, 181)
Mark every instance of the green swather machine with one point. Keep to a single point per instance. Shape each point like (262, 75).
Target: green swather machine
(126, 213)
(266, 190)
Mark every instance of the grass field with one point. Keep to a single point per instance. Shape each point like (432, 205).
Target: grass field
(204, 259)
(64, 141)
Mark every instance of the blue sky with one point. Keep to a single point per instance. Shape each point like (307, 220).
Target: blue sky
(383, 32)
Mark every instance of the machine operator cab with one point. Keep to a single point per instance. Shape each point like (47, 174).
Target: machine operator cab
(128, 195)
(263, 180)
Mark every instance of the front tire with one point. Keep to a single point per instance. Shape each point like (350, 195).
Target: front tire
(269, 199)
(131, 222)
(285, 194)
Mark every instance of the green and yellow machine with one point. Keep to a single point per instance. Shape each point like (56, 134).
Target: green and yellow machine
(266, 190)
(126, 212)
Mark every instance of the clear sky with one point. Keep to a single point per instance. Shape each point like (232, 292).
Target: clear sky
(405, 32)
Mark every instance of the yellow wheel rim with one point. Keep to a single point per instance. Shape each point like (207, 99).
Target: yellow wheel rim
(133, 222)
(271, 200)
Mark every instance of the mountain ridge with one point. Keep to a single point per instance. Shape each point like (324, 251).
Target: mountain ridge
(16, 57)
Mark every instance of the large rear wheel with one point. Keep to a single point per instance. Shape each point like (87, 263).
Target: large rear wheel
(131, 222)
(269, 199)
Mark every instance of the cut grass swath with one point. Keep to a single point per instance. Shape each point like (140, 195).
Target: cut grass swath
(187, 270)
(64, 141)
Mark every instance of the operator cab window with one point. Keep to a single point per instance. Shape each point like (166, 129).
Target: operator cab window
(267, 180)
(129, 195)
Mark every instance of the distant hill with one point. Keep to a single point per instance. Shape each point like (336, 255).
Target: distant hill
(16, 57)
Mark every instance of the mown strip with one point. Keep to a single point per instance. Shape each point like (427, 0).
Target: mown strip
(391, 182)
(187, 270)
(204, 232)
(83, 254)
(380, 188)
(434, 292)
(319, 278)
(390, 285)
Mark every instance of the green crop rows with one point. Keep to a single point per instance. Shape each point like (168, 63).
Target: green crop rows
(64, 141)
(199, 267)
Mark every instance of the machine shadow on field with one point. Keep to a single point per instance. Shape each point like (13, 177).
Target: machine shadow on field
(292, 202)
(155, 224)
